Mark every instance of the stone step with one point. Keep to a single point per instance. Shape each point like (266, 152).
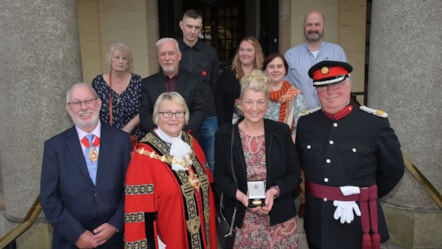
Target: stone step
(303, 240)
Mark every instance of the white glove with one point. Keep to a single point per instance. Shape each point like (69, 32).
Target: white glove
(350, 190)
(344, 211)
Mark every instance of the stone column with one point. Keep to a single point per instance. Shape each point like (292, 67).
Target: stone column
(404, 80)
(284, 25)
(40, 60)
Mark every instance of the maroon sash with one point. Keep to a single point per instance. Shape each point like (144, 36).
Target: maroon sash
(367, 201)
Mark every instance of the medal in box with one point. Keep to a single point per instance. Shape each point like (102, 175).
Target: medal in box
(257, 193)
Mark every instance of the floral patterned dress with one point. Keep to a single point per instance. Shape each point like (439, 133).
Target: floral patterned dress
(256, 231)
(125, 106)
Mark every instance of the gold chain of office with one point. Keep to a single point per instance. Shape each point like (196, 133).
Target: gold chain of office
(186, 162)
(167, 158)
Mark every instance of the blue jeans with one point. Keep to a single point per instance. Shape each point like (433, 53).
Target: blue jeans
(207, 139)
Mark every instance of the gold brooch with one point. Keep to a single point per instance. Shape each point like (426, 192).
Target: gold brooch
(325, 70)
(194, 180)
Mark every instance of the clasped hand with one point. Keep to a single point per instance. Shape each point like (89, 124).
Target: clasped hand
(344, 209)
(96, 238)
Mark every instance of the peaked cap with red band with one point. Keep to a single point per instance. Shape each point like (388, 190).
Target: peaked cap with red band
(329, 72)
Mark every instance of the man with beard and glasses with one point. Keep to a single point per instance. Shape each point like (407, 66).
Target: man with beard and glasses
(300, 59)
(82, 177)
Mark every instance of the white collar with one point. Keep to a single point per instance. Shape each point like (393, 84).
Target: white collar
(179, 149)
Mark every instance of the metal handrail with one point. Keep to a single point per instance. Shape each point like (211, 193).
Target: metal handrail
(415, 172)
(27, 222)
(429, 188)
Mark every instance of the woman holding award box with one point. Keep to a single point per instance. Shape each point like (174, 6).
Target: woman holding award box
(266, 166)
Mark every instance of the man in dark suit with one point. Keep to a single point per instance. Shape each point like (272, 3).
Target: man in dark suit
(82, 181)
(172, 78)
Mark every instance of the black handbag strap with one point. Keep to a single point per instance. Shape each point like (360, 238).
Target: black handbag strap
(232, 223)
(221, 207)
(231, 156)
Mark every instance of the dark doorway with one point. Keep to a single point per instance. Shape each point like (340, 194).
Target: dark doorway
(269, 31)
(225, 23)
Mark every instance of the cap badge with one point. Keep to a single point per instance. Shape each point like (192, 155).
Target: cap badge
(325, 70)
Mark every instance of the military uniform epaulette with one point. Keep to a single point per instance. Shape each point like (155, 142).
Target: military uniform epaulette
(376, 112)
(306, 112)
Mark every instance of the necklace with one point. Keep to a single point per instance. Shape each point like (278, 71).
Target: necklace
(186, 162)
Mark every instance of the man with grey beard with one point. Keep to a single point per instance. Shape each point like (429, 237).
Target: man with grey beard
(82, 177)
(301, 58)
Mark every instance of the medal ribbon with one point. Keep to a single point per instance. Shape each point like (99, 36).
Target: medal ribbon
(87, 143)
(90, 141)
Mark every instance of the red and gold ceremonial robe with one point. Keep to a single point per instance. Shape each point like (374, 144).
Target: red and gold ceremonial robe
(161, 201)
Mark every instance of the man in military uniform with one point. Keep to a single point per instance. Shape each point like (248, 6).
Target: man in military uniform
(351, 157)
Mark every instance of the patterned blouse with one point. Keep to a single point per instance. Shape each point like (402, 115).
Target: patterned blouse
(125, 106)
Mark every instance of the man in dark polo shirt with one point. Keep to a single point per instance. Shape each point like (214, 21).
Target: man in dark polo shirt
(202, 60)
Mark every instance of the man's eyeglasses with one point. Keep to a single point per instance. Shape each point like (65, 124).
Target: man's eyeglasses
(87, 102)
(336, 87)
(171, 114)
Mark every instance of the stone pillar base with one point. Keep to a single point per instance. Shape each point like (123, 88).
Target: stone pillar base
(413, 229)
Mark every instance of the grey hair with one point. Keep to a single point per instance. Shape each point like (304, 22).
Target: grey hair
(168, 39)
(124, 48)
(81, 84)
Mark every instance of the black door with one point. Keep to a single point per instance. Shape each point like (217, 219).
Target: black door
(225, 23)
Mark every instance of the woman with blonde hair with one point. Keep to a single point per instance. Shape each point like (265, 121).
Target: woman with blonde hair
(249, 56)
(260, 155)
(119, 90)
